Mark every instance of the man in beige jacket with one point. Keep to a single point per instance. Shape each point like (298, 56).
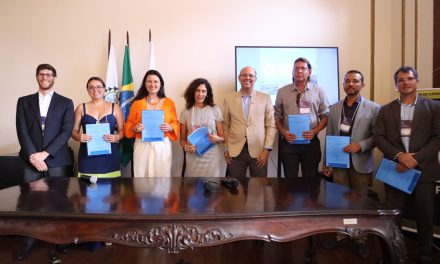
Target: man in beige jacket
(249, 128)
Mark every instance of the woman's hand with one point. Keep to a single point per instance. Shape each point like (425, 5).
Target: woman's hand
(137, 128)
(111, 138)
(84, 138)
(165, 127)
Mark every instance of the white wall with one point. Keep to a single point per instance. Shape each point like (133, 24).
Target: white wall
(192, 39)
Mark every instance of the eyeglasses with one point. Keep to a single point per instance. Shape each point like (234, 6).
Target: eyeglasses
(45, 75)
(95, 87)
(302, 69)
(247, 75)
(409, 79)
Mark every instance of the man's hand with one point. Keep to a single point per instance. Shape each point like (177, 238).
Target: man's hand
(407, 160)
(262, 158)
(38, 156)
(40, 165)
(309, 135)
(228, 158)
(401, 168)
(289, 137)
(353, 147)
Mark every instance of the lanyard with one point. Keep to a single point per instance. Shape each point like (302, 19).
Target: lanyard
(354, 114)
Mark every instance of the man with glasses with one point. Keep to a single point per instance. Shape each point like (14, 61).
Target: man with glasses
(302, 97)
(249, 128)
(44, 122)
(407, 131)
(353, 117)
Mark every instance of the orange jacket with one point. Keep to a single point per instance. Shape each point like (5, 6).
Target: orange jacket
(135, 117)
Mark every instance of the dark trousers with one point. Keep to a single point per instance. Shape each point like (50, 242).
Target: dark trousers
(308, 155)
(242, 162)
(422, 201)
(31, 174)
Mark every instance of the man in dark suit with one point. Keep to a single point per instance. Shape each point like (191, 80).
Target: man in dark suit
(44, 123)
(408, 131)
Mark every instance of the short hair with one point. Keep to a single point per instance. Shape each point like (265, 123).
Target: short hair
(302, 59)
(406, 69)
(355, 71)
(142, 92)
(94, 78)
(190, 92)
(46, 66)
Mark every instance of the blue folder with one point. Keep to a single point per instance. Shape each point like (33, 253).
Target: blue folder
(335, 156)
(98, 146)
(297, 125)
(405, 181)
(199, 138)
(152, 120)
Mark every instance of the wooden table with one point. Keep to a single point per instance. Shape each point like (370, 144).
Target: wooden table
(175, 214)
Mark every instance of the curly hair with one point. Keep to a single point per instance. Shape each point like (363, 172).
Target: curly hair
(190, 93)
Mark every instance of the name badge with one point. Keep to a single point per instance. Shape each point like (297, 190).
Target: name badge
(405, 128)
(346, 125)
(304, 107)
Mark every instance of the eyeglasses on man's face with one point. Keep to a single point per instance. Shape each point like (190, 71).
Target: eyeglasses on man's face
(43, 75)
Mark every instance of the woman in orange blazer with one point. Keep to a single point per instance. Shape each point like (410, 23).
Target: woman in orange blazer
(152, 158)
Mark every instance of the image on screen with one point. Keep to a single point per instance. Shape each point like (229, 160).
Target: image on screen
(274, 67)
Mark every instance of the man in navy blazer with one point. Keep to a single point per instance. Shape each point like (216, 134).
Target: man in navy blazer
(407, 131)
(44, 123)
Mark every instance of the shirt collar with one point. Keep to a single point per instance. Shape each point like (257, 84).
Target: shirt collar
(41, 95)
(242, 95)
(306, 88)
(413, 104)
(358, 100)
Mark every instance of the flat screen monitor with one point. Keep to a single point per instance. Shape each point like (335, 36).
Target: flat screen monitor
(274, 67)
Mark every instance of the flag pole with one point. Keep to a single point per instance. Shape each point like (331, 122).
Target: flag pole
(128, 40)
(109, 42)
(149, 35)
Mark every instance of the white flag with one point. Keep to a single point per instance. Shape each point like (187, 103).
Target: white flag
(111, 80)
(151, 59)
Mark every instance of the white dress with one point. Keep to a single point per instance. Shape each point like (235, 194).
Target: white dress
(210, 164)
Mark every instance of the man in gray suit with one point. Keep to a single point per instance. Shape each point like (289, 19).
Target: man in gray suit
(407, 131)
(353, 117)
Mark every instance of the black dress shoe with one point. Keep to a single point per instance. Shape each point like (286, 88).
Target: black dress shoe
(29, 244)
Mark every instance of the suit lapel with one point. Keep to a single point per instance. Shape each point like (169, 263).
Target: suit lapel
(239, 101)
(417, 113)
(416, 117)
(35, 107)
(360, 110)
(338, 112)
(50, 111)
(395, 107)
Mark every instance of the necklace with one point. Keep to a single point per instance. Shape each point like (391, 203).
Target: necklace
(99, 113)
(155, 104)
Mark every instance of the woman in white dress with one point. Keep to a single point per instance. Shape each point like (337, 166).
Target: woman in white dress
(200, 111)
